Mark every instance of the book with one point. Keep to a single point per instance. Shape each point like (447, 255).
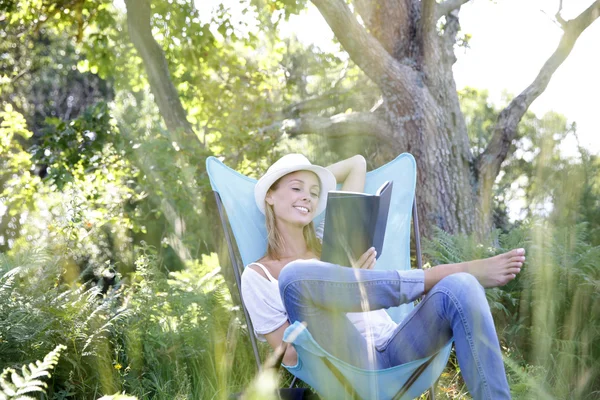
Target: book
(355, 222)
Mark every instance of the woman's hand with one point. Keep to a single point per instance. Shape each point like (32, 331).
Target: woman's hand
(275, 339)
(367, 260)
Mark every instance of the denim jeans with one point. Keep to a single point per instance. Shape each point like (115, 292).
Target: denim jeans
(321, 294)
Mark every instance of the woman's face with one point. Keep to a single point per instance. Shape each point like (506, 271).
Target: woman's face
(295, 198)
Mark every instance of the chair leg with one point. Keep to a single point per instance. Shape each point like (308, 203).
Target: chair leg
(293, 382)
(432, 393)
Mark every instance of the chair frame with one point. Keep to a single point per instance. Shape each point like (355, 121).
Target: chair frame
(238, 269)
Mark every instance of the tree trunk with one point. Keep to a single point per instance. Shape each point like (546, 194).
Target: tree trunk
(445, 196)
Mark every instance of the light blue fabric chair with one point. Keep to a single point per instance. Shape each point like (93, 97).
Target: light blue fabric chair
(330, 377)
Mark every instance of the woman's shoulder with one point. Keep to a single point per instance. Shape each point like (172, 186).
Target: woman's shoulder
(255, 267)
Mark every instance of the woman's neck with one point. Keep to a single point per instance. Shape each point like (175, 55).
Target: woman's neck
(295, 244)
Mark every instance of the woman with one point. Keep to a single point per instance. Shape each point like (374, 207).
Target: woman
(344, 307)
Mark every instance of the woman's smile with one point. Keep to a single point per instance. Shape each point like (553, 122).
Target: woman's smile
(303, 210)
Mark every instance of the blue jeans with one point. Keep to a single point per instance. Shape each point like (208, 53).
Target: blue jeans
(321, 294)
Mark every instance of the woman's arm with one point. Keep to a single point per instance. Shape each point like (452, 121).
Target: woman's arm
(275, 339)
(351, 172)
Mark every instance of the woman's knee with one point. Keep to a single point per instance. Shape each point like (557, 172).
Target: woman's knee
(290, 273)
(463, 286)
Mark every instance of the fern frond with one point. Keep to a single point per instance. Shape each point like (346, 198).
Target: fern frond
(99, 333)
(18, 385)
(7, 388)
(11, 273)
(9, 279)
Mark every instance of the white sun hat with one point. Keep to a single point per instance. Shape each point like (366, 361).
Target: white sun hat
(291, 163)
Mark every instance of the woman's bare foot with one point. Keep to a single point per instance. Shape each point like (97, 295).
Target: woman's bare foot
(498, 270)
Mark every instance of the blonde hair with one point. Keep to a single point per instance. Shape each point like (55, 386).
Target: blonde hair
(275, 241)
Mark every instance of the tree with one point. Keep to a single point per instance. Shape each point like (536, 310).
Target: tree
(406, 47)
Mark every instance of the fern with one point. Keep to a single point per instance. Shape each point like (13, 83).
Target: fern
(7, 281)
(548, 317)
(102, 332)
(29, 259)
(15, 386)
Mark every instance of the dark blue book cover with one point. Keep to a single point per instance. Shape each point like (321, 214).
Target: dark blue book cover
(354, 222)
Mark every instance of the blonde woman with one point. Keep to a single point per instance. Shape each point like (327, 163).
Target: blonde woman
(290, 283)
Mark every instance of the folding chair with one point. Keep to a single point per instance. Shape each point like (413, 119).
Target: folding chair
(332, 378)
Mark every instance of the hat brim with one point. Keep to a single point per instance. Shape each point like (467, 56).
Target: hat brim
(326, 178)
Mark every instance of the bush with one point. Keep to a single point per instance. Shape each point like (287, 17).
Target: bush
(152, 334)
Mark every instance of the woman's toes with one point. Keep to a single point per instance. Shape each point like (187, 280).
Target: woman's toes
(506, 279)
(513, 271)
(513, 253)
(517, 252)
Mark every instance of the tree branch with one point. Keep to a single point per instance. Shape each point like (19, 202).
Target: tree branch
(428, 51)
(364, 49)
(559, 17)
(447, 7)
(506, 125)
(428, 12)
(340, 125)
(389, 22)
(448, 41)
(315, 103)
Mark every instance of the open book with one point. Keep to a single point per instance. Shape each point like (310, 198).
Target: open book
(354, 222)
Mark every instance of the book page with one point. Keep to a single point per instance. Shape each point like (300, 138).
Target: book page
(339, 192)
(382, 188)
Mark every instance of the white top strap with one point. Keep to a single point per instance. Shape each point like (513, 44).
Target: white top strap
(266, 271)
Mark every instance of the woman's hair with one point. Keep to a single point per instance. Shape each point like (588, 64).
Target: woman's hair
(275, 242)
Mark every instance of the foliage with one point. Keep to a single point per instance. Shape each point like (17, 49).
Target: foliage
(38, 74)
(589, 205)
(536, 158)
(39, 310)
(18, 386)
(15, 163)
(152, 334)
(75, 147)
(546, 335)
